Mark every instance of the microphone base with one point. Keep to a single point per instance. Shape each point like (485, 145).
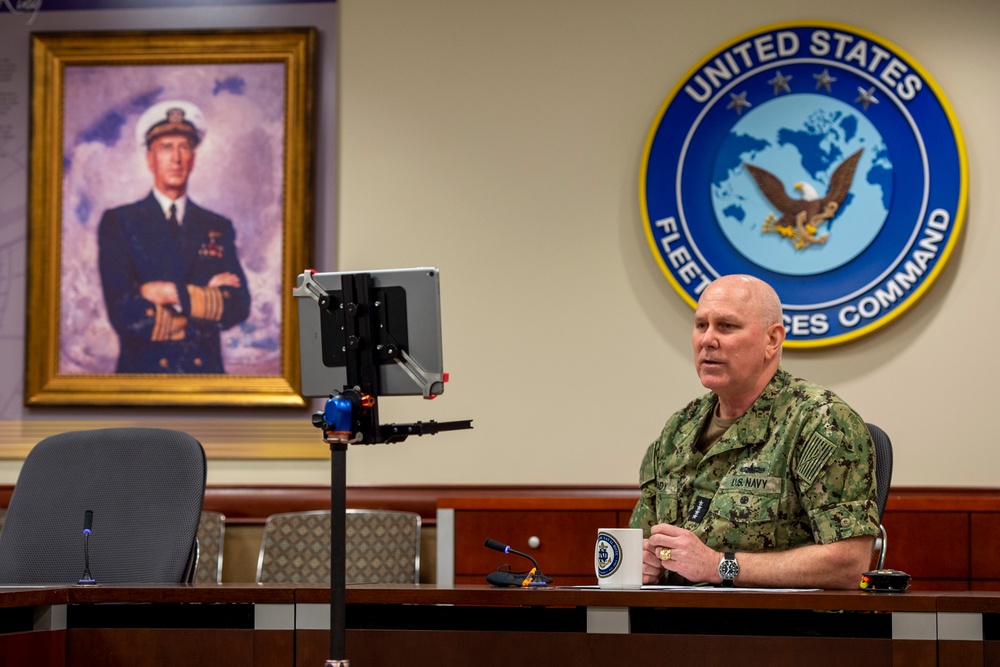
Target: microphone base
(87, 582)
(505, 578)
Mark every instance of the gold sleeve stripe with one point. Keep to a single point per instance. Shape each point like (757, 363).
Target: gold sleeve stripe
(161, 324)
(167, 325)
(206, 302)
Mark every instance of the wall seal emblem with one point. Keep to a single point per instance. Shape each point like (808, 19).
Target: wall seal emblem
(819, 157)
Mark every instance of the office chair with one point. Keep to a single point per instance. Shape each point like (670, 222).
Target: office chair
(383, 546)
(211, 536)
(883, 474)
(145, 488)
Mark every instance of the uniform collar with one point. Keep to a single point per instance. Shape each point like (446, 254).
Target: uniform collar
(754, 425)
(165, 202)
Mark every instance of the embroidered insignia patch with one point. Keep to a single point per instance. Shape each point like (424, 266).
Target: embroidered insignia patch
(815, 455)
(699, 509)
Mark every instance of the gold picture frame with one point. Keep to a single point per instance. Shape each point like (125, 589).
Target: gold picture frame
(254, 90)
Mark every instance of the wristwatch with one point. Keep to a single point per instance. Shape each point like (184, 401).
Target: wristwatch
(729, 569)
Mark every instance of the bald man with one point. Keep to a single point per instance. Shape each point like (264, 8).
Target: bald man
(767, 480)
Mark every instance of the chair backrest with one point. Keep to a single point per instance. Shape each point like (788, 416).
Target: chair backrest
(383, 546)
(211, 537)
(145, 488)
(883, 466)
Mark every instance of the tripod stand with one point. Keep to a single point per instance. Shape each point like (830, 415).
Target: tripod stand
(366, 339)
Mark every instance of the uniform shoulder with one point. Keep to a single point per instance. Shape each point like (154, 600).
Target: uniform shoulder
(802, 389)
(807, 402)
(125, 212)
(204, 215)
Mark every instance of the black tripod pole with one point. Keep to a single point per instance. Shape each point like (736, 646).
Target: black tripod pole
(362, 329)
(338, 559)
(362, 379)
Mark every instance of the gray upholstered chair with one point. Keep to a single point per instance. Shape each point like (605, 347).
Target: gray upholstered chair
(145, 488)
(211, 536)
(382, 546)
(883, 474)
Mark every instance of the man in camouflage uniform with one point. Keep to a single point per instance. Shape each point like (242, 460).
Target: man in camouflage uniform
(775, 473)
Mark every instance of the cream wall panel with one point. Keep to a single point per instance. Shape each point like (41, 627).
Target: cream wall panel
(502, 142)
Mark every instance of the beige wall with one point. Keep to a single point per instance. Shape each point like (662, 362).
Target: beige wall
(501, 142)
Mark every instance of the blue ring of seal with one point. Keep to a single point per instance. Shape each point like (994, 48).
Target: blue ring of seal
(929, 189)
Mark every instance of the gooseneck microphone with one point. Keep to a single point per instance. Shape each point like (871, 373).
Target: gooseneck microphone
(88, 527)
(500, 546)
(504, 577)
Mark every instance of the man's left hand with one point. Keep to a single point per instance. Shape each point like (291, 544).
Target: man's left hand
(226, 279)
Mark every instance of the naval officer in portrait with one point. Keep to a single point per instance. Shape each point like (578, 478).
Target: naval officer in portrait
(170, 273)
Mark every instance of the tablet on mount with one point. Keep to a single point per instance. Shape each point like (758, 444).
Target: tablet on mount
(369, 334)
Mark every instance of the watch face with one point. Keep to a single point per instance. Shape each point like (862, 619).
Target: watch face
(728, 569)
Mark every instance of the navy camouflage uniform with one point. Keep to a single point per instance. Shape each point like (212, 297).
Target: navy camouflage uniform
(137, 245)
(797, 468)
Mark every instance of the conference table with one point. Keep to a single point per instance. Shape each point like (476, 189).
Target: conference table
(414, 625)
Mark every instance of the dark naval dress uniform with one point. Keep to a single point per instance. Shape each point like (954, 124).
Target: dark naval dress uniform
(137, 244)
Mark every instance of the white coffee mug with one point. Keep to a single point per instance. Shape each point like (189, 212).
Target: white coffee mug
(618, 558)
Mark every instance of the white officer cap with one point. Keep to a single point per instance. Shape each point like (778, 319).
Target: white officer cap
(170, 117)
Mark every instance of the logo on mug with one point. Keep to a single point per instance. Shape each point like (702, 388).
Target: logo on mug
(609, 555)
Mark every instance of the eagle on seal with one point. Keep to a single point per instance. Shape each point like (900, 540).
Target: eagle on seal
(801, 218)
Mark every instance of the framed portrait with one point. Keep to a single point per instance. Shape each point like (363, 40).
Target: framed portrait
(169, 212)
